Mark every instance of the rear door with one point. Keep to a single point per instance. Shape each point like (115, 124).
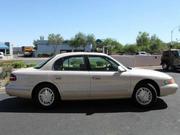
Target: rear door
(71, 75)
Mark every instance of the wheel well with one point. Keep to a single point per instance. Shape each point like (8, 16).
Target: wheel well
(149, 81)
(165, 62)
(43, 84)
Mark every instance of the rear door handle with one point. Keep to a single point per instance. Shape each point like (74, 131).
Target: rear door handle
(96, 78)
(58, 78)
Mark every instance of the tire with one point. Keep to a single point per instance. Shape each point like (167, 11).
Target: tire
(46, 96)
(170, 68)
(164, 66)
(144, 96)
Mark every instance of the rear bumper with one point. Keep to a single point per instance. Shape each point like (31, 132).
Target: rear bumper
(19, 92)
(168, 89)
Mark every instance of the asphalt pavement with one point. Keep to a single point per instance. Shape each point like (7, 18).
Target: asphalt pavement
(109, 117)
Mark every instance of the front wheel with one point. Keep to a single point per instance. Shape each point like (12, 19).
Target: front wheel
(46, 97)
(164, 66)
(144, 96)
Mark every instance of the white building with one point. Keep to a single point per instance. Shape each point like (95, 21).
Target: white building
(43, 47)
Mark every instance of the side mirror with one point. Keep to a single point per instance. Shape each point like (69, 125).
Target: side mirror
(120, 69)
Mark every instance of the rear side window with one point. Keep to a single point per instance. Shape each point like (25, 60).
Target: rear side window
(75, 63)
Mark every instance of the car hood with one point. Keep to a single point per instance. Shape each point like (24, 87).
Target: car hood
(148, 74)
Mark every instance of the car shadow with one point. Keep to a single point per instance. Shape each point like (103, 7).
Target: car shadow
(87, 107)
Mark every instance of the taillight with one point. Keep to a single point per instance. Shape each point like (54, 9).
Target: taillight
(12, 77)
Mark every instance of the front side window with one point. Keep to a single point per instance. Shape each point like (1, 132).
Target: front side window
(98, 63)
(75, 63)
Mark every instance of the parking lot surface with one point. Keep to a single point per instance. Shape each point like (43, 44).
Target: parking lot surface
(110, 117)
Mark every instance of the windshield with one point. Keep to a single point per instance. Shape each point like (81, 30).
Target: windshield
(176, 54)
(41, 64)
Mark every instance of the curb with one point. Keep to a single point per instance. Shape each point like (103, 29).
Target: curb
(150, 67)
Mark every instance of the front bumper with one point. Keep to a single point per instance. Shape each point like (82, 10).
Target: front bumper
(168, 89)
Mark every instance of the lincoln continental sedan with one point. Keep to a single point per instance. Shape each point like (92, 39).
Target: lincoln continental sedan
(88, 76)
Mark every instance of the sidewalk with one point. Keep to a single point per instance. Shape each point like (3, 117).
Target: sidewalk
(150, 67)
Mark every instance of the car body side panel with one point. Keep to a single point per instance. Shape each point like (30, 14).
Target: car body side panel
(72, 84)
(106, 85)
(27, 79)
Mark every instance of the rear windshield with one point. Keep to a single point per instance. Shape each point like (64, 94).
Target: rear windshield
(171, 53)
(41, 64)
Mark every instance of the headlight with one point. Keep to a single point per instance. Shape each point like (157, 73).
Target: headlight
(170, 81)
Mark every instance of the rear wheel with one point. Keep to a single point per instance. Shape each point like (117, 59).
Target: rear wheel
(144, 95)
(170, 68)
(46, 96)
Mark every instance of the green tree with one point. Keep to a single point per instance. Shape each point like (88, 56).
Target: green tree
(143, 41)
(156, 45)
(55, 40)
(176, 45)
(99, 43)
(80, 39)
(91, 40)
(113, 45)
(130, 49)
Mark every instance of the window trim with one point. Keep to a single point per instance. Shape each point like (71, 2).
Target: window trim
(43, 63)
(105, 58)
(68, 57)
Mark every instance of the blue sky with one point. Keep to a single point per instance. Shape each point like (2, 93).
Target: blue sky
(22, 21)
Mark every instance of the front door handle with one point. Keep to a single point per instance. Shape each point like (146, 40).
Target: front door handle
(96, 78)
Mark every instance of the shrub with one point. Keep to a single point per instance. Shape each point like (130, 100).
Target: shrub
(30, 65)
(19, 64)
(7, 67)
(5, 72)
(45, 55)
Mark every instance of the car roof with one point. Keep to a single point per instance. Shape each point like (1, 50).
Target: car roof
(80, 53)
(172, 50)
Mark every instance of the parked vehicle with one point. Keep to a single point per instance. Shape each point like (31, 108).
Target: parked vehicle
(1, 55)
(28, 51)
(143, 53)
(87, 76)
(170, 59)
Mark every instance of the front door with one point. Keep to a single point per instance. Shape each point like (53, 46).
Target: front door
(106, 81)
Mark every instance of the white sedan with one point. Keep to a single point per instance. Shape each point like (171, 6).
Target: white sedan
(87, 76)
